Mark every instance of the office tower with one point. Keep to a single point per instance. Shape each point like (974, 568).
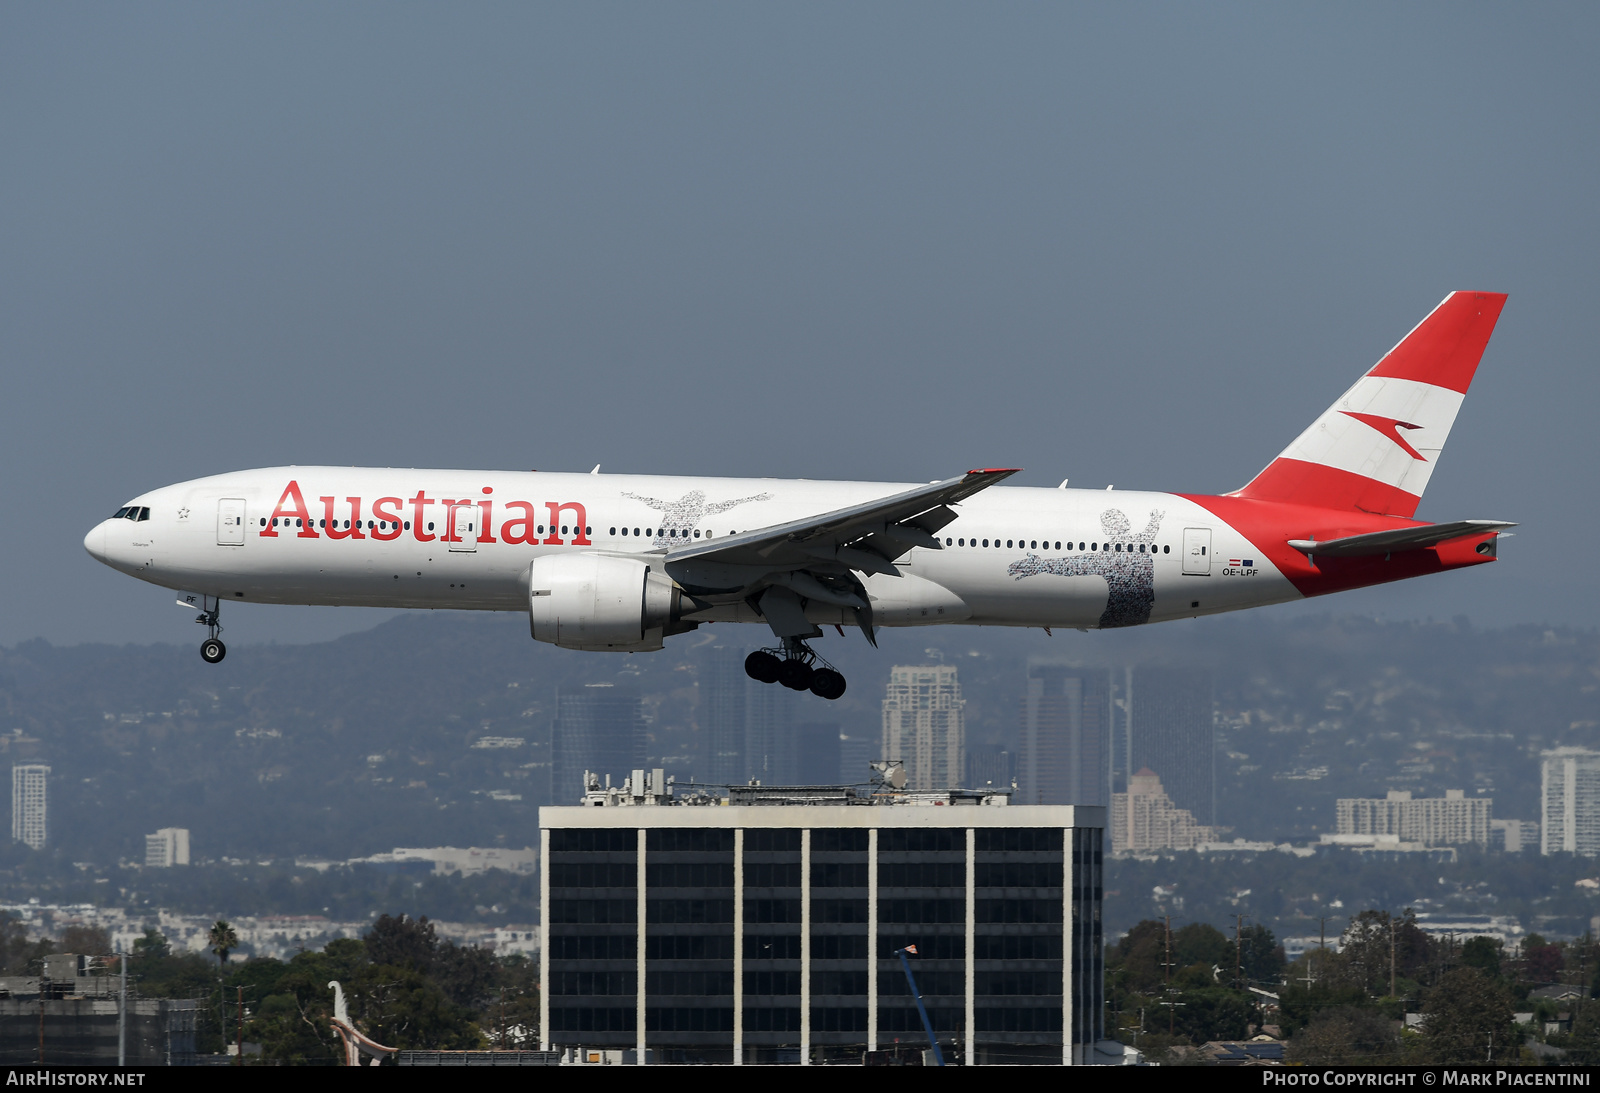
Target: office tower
(166, 848)
(771, 755)
(766, 931)
(1145, 818)
(1570, 796)
(1064, 753)
(924, 727)
(599, 728)
(1452, 820)
(29, 803)
(1172, 731)
(857, 751)
(989, 765)
(722, 715)
(817, 751)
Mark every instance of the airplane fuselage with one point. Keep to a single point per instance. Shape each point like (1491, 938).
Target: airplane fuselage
(464, 540)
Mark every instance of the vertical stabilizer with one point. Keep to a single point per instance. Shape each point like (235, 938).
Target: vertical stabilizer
(1374, 450)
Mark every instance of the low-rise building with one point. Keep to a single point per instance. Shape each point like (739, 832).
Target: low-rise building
(1452, 820)
(166, 848)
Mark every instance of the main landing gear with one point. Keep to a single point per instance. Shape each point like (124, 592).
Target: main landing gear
(211, 650)
(797, 667)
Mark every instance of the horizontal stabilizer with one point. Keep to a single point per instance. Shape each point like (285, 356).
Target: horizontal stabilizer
(1388, 542)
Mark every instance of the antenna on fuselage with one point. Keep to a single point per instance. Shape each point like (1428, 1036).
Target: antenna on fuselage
(1064, 482)
(596, 469)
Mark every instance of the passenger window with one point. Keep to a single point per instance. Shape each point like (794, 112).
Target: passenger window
(1034, 545)
(636, 531)
(613, 531)
(430, 525)
(263, 521)
(1058, 544)
(1094, 546)
(647, 531)
(986, 542)
(408, 525)
(347, 523)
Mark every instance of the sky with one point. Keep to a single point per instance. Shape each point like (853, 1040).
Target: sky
(1141, 244)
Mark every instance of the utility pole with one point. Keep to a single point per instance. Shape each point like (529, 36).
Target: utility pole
(1238, 951)
(122, 1010)
(1391, 958)
(238, 1059)
(42, 982)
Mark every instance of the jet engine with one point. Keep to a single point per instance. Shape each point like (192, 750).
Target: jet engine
(598, 602)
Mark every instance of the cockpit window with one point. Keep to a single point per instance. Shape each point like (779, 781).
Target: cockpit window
(144, 513)
(132, 512)
(123, 511)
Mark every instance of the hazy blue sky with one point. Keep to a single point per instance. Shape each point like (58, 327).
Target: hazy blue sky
(1140, 244)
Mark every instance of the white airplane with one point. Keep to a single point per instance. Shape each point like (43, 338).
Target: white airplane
(621, 562)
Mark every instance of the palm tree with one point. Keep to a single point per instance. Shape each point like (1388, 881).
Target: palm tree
(223, 941)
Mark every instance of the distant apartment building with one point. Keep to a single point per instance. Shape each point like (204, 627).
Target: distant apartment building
(1570, 802)
(166, 848)
(1452, 820)
(598, 727)
(750, 727)
(1064, 751)
(924, 725)
(1514, 836)
(29, 803)
(1145, 818)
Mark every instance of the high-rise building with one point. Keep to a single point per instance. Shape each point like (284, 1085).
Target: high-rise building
(857, 750)
(1570, 796)
(1145, 818)
(990, 765)
(599, 728)
(769, 930)
(817, 753)
(924, 726)
(1064, 753)
(771, 755)
(1452, 820)
(722, 714)
(29, 803)
(1171, 729)
(166, 848)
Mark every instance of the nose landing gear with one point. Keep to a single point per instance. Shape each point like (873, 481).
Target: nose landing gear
(796, 666)
(211, 650)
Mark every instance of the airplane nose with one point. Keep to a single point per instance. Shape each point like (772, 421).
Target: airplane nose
(95, 542)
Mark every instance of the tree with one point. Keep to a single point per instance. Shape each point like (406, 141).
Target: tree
(152, 945)
(1261, 954)
(1347, 1036)
(1468, 1019)
(1482, 953)
(18, 955)
(223, 941)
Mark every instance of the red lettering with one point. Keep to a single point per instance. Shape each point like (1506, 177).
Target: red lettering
(334, 531)
(391, 515)
(450, 518)
(418, 503)
(486, 519)
(524, 522)
(580, 537)
(308, 529)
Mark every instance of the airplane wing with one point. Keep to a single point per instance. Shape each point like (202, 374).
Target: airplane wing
(1388, 542)
(865, 537)
(774, 569)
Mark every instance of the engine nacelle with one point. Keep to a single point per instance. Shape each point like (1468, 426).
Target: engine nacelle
(597, 601)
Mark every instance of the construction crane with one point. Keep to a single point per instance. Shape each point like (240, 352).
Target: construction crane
(933, 1041)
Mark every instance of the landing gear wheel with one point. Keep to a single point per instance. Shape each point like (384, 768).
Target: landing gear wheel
(762, 666)
(827, 683)
(212, 650)
(796, 675)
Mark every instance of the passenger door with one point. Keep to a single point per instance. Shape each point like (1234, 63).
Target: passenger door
(230, 521)
(1197, 551)
(464, 527)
